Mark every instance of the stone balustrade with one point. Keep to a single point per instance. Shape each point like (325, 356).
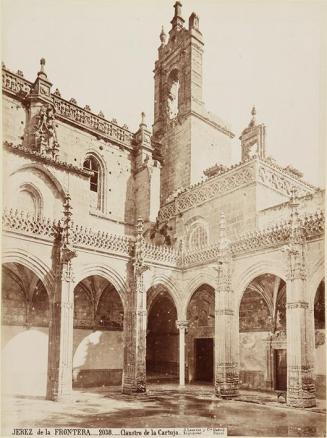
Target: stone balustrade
(86, 119)
(15, 84)
(20, 222)
(162, 254)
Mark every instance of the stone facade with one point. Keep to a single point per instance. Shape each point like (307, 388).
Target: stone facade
(123, 265)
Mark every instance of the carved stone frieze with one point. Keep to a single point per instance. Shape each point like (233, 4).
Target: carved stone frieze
(280, 179)
(81, 236)
(229, 179)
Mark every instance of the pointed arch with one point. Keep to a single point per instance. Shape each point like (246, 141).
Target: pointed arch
(165, 281)
(106, 272)
(54, 182)
(98, 181)
(202, 278)
(243, 280)
(30, 261)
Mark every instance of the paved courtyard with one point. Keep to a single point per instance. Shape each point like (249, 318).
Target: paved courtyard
(254, 414)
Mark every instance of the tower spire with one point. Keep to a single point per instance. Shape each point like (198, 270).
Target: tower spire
(163, 36)
(178, 21)
(42, 72)
(253, 113)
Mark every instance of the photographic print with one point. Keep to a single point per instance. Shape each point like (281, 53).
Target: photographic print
(163, 218)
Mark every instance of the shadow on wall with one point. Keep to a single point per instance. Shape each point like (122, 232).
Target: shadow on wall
(24, 364)
(98, 358)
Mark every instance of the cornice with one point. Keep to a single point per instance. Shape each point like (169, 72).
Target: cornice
(37, 156)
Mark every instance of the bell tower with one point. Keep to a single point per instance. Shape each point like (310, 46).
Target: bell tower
(185, 136)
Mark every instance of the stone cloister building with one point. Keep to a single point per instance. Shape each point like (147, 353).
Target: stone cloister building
(122, 266)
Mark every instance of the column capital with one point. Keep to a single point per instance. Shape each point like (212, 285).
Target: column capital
(224, 312)
(298, 305)
(182, 324)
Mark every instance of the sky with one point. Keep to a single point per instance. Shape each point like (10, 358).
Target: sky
(268, 53)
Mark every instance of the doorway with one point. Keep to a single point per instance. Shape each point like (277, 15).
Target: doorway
(280, 361)
(203, 359)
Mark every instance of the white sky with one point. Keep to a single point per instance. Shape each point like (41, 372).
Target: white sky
(268, 53)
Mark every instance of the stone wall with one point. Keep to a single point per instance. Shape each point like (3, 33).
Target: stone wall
(176, 151)
(13, 120)
(253, 366)
(209, 146)
(24, 360)
(97, 358)
(239, 209)
(307, 204)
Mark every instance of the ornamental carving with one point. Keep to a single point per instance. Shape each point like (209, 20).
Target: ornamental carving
(15, 84)
(45, 132)
(182, 325)
(278, 236)
(139, 266)
(223, 180)
(281, 180)
(319, 338)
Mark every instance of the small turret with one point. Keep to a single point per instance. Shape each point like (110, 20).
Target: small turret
(178, 21)
(253, 139)
(163, 36)
(42, 74)
(193, 21)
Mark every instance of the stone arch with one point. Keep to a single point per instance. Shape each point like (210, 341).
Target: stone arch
(55, 183)
(116, 309)
(317, 275)
(102, 177)
(200, 314)
(197, 232)
(162, 335)
(36, 195)
(261, 331)
(106, 272)
(193, 285)
(98, 329)
(173, 92)
(171, 288)
(243, 280)
(30, 261)
(24, 330)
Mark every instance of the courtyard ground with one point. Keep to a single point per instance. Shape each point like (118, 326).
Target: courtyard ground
(252, 414)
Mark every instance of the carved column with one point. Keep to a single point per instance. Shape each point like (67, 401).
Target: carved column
(61, 312)
(300, 379)
(134, 376)
(182, 327)
(226, 342)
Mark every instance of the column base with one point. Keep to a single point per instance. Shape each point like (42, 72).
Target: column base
(301, 401)
(226, 391)
(59, 397)
(133, 388)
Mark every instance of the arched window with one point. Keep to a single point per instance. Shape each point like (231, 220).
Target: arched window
(173, 94)
(91, 163)
(29, 199)
(198, 237)
(96, 182)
